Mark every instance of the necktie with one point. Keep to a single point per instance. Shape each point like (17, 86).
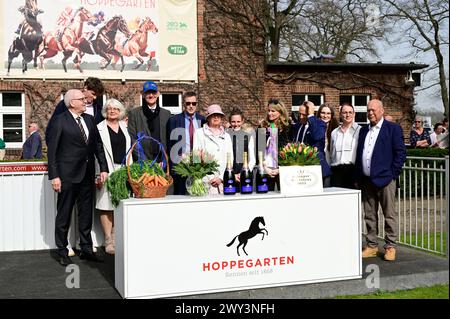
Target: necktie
(83, 133)
(191, 132)
(302, 132)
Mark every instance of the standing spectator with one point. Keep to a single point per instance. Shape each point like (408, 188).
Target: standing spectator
(243, 140)
(93, 90)
(344, 141)
(311, 130)
(380, 157)
(438, 129)
(116, 141)
(419, 136)
(71, 168)
(326, 114)
(149, 119)
(213, 139)
(180, 136)
(275, 134)
(32, 148)
(2, 149)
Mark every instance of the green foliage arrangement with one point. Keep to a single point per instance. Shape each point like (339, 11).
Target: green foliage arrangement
(298, 154)
(197, 164)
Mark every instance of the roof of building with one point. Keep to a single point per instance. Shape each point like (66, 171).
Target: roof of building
(332, 65)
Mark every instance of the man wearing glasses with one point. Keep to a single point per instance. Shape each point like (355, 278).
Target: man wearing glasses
(75, 141)
(180, 136)
(93, 90)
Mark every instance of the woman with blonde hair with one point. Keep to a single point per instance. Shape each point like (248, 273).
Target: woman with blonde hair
(116, 141)
(276, 135)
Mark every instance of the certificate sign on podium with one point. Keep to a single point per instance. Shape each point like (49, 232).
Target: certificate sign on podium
(297, 180)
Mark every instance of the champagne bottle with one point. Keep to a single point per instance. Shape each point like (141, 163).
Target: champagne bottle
(246, 177)
(261, 176)
(229, 182)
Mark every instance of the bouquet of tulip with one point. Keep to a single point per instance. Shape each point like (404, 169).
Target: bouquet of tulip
(196, 165)
(298, 154)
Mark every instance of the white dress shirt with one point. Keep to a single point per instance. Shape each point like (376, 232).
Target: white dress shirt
(86, 130)
(369, 145)
(344, 144)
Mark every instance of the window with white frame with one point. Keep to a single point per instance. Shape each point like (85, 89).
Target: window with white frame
(359, 102)
(12, 118)
(298, 99)
(170, 101)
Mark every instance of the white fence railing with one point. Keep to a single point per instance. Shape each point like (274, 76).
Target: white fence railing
(422, 204)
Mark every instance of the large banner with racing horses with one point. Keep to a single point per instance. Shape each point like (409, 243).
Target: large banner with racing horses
(110, 39)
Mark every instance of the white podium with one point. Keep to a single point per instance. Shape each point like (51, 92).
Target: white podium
(182, 245)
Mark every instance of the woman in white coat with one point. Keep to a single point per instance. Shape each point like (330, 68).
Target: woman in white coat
(116, 141)
(213, 139)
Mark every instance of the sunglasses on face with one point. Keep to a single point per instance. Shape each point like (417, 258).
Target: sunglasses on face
(417, 121)
(191, 103)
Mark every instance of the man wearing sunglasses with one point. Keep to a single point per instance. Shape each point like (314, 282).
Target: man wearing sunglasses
(180, 136)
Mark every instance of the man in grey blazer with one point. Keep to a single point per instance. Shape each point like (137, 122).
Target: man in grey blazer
(149, 119)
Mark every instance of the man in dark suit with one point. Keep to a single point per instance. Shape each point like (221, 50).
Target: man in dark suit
(150, 119)
(180, 136)
(74, 142)
(32, 148)
(380, 157)
(93, 90)
(311, 130)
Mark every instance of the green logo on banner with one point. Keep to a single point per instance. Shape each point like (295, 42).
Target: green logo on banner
(176, 25)
(177, 49)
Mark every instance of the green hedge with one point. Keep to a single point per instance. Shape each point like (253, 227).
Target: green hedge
(427, 152)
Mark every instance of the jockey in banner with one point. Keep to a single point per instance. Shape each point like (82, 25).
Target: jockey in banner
(94, 25)
(30, 12)
(63, 21)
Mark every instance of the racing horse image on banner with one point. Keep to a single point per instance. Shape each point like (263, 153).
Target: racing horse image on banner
(29, 39)
(104, 43)
(137, 44)
(67, 42)
(250, 233)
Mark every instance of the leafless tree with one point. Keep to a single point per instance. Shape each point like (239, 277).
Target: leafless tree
(424, 24)
(348, 30)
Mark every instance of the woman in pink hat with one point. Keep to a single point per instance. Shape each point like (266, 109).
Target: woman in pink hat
(213, 139)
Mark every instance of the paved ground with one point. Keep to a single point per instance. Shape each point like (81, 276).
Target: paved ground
(37, 274)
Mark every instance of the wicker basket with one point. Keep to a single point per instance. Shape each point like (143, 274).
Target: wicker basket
(141, 190)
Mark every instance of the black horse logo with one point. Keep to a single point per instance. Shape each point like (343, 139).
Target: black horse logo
(250, 233)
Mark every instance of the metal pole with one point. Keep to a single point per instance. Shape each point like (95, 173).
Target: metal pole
(446, 196)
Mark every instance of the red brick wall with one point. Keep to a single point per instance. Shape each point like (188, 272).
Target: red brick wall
(384, 84)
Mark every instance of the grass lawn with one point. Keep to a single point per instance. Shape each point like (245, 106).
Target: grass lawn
(433, 292)
(411, 239)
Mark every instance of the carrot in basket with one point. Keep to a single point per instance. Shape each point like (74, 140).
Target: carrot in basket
(142, 177)
(161, 181)
(150, 181)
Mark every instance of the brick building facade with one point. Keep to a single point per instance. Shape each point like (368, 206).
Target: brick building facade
(233, 73)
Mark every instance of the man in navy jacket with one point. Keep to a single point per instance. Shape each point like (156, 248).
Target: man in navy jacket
(311, 130)
(380, 157)
(180, 128)
(32, 148)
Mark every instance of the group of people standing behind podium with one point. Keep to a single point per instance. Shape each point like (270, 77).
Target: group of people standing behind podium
(87, 138)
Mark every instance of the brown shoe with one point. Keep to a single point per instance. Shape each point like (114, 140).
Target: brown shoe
(369, 252)
(389, 254)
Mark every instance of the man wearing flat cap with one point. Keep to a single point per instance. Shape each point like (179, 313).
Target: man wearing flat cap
(149, 119)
